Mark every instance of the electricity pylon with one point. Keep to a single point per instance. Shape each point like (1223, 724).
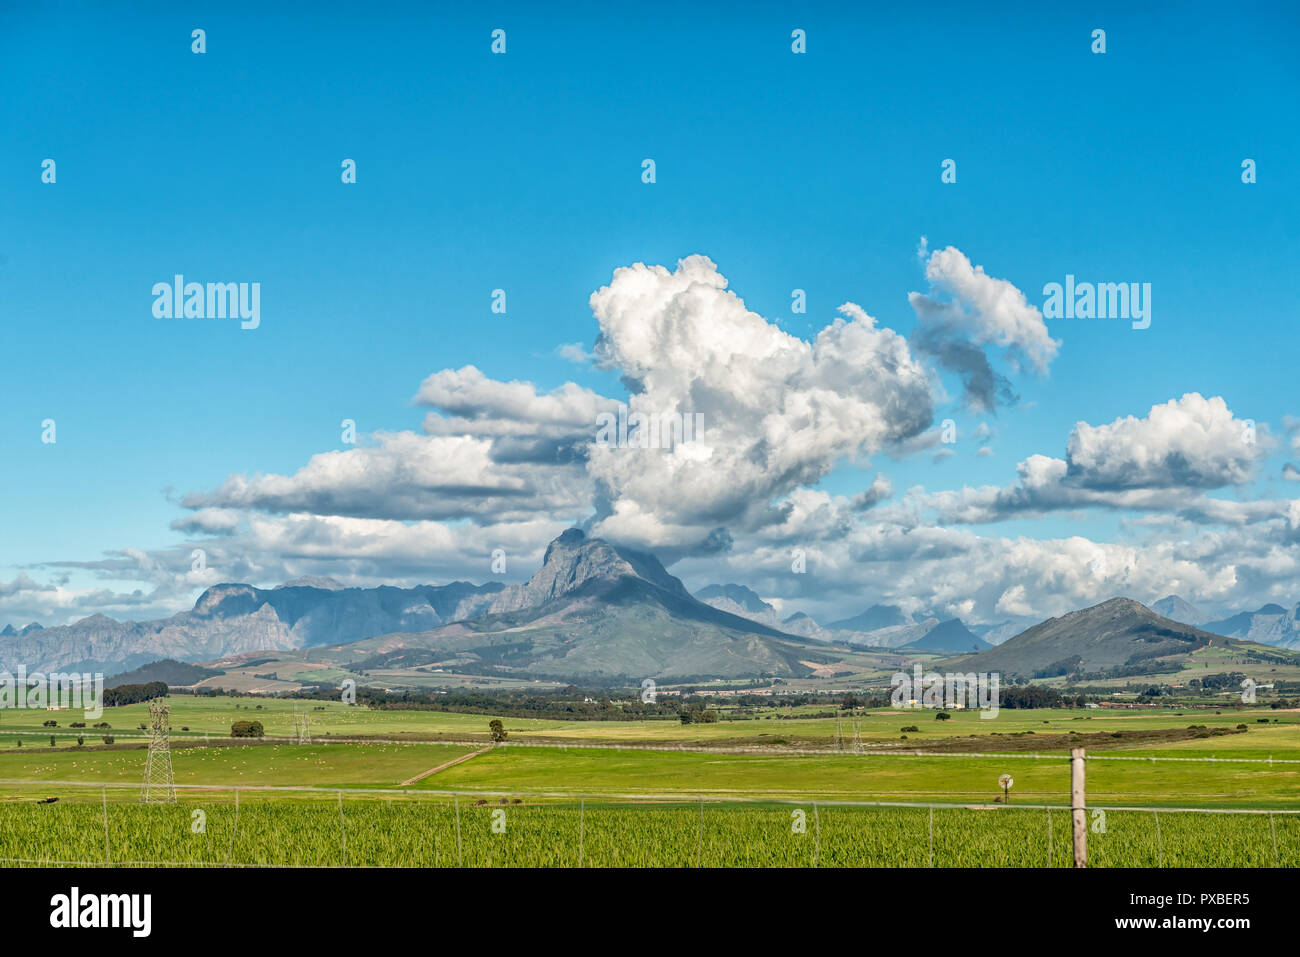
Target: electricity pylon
(159, 782)
(301, 726)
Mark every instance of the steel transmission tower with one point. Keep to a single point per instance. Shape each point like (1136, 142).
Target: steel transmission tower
(159, 782)
(301, 726)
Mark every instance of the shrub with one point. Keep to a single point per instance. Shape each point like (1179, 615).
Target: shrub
(911, 728)
(108, 739)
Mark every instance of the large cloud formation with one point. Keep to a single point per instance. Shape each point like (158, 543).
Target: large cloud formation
(778, 412)
(1190, 442)
(968, 310)
(508, 465)
(1164, 461)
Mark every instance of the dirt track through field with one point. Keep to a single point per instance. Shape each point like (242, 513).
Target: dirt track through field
(443, 767)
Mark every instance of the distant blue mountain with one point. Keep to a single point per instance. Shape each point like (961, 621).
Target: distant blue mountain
(950, 635)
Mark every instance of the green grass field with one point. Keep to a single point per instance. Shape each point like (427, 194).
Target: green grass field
(212, 717)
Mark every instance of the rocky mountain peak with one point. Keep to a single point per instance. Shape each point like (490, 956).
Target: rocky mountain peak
(574, 561)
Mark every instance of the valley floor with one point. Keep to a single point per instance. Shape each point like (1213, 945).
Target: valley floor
(377, 787)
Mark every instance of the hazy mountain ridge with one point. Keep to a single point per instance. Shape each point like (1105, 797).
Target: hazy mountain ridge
(873, 619)
(950, 636)
(1272, 624)
(743, 602)
(880, 626)
(1179, 609)
(232, 619)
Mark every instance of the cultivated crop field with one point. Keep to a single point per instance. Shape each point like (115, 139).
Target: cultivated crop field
(404, 832)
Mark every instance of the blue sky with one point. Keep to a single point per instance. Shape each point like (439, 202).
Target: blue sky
(523, 172)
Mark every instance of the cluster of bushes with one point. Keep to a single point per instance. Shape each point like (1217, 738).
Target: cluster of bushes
(1218, 682)
(582, 703)
(1063, 667)
(133, 694)
(1035, 696)
(247, 729)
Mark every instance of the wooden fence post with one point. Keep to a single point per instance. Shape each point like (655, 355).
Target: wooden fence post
(1078, 808)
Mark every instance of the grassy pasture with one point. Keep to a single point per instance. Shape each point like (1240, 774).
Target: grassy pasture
(212, 717)
(605, 772)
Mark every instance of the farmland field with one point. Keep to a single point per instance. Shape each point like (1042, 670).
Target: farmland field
(406, 832)
(766, 788)
(200, 717)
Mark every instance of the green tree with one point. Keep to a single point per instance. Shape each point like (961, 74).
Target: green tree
(498, 730)
(246, 729)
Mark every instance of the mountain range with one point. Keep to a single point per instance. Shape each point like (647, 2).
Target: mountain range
(234, 619)
(1270, 625)
(595, 610)
(880, 626)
